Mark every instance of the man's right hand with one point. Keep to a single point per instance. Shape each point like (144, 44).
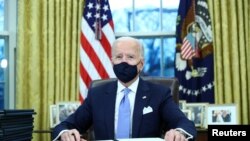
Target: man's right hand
(71, 135)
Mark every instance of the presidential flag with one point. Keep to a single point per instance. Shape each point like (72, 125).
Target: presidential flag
(194, 52)
(97, 35)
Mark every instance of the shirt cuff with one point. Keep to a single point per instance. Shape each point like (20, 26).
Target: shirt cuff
(60, 134)
(186, 134)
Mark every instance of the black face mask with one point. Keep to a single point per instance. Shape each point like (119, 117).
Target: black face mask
(125, 72)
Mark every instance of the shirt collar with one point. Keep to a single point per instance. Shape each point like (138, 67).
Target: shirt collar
(132, 87)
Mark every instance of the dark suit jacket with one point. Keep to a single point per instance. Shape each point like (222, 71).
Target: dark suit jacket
(98, 111)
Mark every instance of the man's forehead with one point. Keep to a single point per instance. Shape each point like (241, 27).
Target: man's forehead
(127, 49)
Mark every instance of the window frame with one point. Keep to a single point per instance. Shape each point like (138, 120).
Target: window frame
(144, 35)
(9, 35)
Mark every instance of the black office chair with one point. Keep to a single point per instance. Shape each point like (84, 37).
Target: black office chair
(172, 83)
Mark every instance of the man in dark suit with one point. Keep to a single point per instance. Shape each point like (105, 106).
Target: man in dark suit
(151, 106)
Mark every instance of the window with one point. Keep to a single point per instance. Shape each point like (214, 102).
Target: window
(154, 22)
(7, 46)
(2, 55)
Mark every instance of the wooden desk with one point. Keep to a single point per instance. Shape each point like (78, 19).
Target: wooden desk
(202, 135)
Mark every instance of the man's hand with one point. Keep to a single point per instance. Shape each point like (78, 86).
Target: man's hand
(71, 135)
(174, 135)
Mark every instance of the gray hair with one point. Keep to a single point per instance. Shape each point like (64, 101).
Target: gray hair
(141, 49)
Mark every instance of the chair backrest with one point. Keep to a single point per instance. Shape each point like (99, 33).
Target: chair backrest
(172, 83)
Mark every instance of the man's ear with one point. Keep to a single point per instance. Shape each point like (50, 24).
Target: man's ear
(142, 63)
(112, 62)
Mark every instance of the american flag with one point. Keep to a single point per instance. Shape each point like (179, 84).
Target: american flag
(194, 64)
(97, 35)
(187, 49)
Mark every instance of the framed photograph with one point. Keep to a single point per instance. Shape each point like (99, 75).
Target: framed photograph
(198, 113)
(65, 109)
(222, 114)
(187, 113)
(53, 115)
(182, 104)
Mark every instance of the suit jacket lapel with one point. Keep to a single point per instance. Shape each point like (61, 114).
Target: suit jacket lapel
(110, 108)
(141, 100)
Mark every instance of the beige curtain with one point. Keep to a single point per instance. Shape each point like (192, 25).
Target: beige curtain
(47, 57)
(231, 25)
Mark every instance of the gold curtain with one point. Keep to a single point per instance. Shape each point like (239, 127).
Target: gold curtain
(47, 56)
(231, 25)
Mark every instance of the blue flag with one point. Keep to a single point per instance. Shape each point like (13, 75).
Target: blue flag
(194, 66)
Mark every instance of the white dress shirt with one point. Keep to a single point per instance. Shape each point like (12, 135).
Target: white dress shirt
(131, 96)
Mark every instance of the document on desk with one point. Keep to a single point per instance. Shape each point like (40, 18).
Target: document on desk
(137, 139)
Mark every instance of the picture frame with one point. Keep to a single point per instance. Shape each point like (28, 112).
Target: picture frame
(198, 113)
(187, 113)
(222, 114)
(182, 104)
(53, 116)
(64, 109)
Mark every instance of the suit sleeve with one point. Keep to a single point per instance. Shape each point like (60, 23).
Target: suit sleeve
(173, 117)
(81, 119)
